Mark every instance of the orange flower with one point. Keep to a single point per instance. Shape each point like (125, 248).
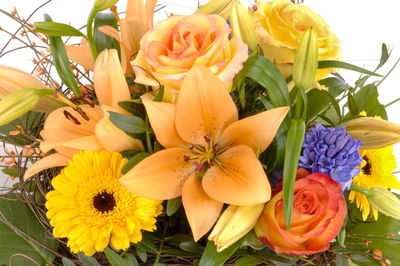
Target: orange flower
(178, 43)
(210, 156)
(67, 131)
(318, 213)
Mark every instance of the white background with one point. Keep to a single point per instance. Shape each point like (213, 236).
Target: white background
(361, 25)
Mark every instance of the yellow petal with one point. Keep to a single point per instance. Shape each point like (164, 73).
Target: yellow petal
(81, 54)
(159, 176)
(237, 178)
(201, 210)
(111, 137)
(162, 120)
(150, 7)
(256, 131)
(204, 107)
(52, 160)
(109, 80)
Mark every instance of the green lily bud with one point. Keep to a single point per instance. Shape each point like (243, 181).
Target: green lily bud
(306, 60)
(242, 26)
(384, 201)
(234, 223)
(374, 133)
(19, 102)
(101, 5)
(218, 7)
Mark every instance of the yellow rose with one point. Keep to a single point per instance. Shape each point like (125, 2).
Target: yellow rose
(279, 27)
(178, 43)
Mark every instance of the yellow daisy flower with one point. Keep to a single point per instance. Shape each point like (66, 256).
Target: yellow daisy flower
(376, 171)
(92, 209)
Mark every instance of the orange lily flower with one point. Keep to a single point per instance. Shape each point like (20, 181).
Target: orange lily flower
(67, 130)
(138, 20)
(210, 155)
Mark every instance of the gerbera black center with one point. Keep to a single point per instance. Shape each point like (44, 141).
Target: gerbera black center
(367, 167)
(104, 201)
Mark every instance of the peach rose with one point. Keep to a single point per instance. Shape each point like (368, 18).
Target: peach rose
(319, 210)
(178, 43)
(279, 27)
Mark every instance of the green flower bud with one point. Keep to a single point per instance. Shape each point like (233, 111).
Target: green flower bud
(101, 5)
(19, 102)
(242, 26)
(306, 60)
(384, 201)
(218, 7)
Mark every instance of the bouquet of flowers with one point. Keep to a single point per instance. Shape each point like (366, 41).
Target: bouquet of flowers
(225, 136)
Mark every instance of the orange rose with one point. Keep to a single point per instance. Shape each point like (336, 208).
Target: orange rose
(176, 44)
(319, 210)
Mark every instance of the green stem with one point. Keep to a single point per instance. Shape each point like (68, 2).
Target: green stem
(89, 33)
(390, 71)
(362, 190)
(161, 246)
(392, 102)
(148, 141)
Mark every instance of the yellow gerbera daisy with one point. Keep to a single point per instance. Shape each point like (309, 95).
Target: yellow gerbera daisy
(91, 208)
(376, 171)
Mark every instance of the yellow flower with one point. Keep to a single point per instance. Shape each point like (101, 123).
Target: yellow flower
(67, 131)
(210, 156)
(90, 208)
(376, 171)
(279, 26)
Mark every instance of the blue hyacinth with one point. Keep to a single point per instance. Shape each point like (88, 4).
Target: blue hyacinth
(331, 151)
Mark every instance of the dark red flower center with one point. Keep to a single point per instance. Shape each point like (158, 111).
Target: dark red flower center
(104, 201)
(367, 167)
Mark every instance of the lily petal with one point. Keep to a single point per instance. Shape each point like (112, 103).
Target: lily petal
(150, 7)
(204, 107)
(50, 161)
(256, 131)
(237, 178)
(201, 210)
(58, 129)
(112, 138)
(162, 120)
(109, 80)
(159, 176)
(81, 54)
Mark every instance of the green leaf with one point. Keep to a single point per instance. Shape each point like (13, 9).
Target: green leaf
(212, 257)
(67, 262)
(265, 73)
(175, 240)
(147, 244)
(341, 260)
(134, 161)
(131, 260)
(61, 62)
(353, 108)
(101, 40)
(141, 254)
(382, 234)
(134, 108)
(160, 94)
(128, 123)
(367, 100)
(336, 85)
(191, 247)
(173, 205)
(10, 171)
(114, 258)
(248, 261)
(344, 65)
(56, 29)
(19, 231)
(384, 56)
(179, 253)
(293, 148)
(87, 261)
